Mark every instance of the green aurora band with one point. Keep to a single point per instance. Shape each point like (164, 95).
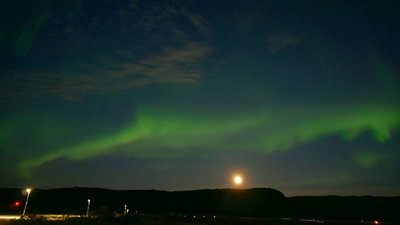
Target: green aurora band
(160, 134)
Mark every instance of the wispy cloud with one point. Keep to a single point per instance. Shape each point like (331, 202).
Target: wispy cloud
(199, 23)
(136, 60)
(172, 65)
(278, 43)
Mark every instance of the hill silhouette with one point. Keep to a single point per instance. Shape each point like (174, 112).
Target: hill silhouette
(260, 202)
(256, 202)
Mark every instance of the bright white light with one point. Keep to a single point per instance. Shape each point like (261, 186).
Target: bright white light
(28, 191)
(237, 180)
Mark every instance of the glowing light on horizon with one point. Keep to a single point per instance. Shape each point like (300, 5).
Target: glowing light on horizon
(237, 180)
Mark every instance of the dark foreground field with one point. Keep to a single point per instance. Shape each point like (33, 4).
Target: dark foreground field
(179, 220)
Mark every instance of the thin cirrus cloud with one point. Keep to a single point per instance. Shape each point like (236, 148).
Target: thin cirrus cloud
(278, 43)
(172, 65)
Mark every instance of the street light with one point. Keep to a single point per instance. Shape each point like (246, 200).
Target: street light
(125, 209)
(28, 190)
(88, 206)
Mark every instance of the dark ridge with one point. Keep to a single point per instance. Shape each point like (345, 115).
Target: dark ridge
(256, 202)
(259, 202)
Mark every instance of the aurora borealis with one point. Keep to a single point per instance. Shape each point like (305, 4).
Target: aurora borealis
(301, 96)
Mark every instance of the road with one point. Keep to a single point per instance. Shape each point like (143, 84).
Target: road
(5, 218)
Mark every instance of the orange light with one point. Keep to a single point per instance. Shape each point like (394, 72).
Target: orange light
(238, 180)
(376, 222)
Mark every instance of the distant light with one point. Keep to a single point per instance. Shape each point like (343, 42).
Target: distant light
(28, 190)
(17, 203)
(88, 207)
(376, 222)
(237, 180)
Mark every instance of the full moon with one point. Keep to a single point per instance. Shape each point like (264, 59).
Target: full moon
(237, 180)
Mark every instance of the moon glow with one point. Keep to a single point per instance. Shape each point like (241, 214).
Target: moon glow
(237, 180)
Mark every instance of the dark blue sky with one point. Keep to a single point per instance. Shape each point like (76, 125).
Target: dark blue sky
(301, 96)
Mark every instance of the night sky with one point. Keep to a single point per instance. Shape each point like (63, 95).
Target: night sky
(300, 96)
